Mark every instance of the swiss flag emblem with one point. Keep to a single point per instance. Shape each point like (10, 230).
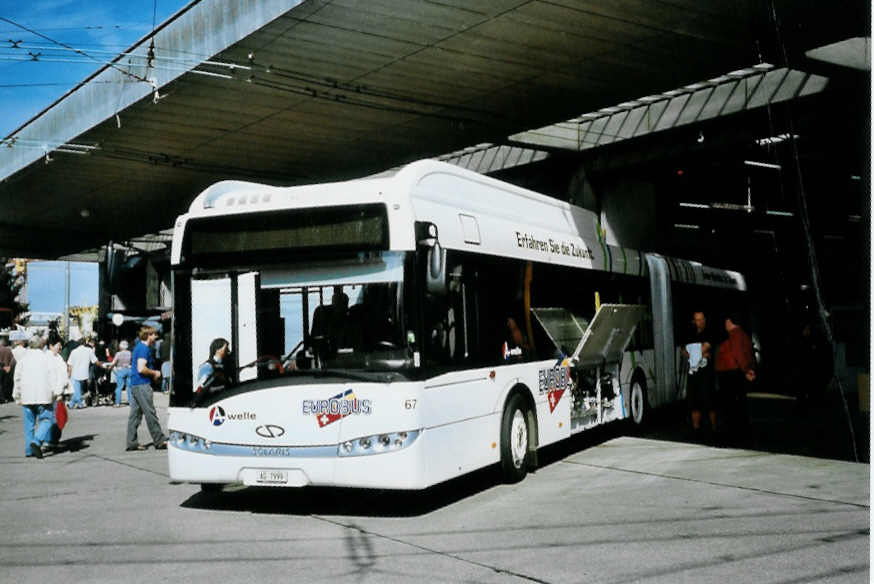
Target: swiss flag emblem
(325, 419)
(554, 398)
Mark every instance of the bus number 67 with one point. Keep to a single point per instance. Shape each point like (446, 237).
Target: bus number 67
(410, 404)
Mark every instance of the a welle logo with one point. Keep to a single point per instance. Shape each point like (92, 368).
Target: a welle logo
(218, 416)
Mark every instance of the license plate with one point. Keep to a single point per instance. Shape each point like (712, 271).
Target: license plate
(274, 477)
(271, 477)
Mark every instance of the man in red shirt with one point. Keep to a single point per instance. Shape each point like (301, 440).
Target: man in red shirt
(735, 366)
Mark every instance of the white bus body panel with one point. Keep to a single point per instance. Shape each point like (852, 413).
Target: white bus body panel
(463, 413)
(459, 414)
(305, 444)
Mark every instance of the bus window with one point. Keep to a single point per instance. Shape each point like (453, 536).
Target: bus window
(211, 310)
(444, 322)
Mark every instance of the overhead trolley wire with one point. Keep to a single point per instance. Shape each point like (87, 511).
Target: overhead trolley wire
(130, 26)
(354, 101)
(18, 46)
(365, 90)
(79, 51)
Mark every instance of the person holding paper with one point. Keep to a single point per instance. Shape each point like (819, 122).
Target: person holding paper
(700, 387)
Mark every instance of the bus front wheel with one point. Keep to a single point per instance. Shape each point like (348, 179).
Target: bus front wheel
(515, 439)
(211, 488)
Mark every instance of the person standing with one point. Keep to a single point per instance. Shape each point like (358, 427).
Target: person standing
(163, 354)
(700, 387)
(19, 344)
(36, 387)
(143, 372)
(61, 378)
(7, 362)
(735, 368)
(122, 367)
(80, 361)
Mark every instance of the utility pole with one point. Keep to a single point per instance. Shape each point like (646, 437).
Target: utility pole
(67, 302)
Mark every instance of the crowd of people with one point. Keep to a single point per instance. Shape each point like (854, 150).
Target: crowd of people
(47, 377)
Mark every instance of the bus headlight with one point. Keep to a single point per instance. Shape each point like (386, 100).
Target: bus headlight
(188, 442)
(377, 443)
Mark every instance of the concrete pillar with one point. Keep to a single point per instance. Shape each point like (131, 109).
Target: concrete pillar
(628, 213)
(626, 207)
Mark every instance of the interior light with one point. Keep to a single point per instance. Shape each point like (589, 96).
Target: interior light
(762, 164)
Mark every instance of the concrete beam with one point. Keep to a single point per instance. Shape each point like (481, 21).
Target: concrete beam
(201, 28)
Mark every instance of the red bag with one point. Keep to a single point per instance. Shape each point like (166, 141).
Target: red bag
(60, 414)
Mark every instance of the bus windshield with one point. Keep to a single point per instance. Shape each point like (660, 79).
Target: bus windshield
(338, 314)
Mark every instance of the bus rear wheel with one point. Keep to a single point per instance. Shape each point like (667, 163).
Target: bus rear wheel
(515, 440)
(638, 401)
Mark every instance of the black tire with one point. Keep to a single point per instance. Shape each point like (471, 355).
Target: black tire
(211, 488)
(515, 439)
(638, 401)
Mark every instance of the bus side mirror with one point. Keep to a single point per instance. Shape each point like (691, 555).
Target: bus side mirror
(435, 272)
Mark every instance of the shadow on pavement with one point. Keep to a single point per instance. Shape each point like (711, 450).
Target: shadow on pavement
(780, 424)
(345, 501)
(74, 444)
(378, 502)
(776, 424)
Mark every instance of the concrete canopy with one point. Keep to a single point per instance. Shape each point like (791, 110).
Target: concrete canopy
(327, 90)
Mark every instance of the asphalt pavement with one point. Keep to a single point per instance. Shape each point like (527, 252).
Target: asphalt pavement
(603, 507)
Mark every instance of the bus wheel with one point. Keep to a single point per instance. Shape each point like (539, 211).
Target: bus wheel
(515, 437)
(637, 402)
(211, 488)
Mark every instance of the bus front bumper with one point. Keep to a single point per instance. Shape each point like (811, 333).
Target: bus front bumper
(292, 466)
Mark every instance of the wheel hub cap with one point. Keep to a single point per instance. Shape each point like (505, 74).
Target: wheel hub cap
(518, 439)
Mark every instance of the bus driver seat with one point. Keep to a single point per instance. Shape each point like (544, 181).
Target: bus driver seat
(328, 323)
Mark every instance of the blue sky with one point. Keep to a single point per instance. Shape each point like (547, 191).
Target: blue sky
(100, 28)
(46, 280)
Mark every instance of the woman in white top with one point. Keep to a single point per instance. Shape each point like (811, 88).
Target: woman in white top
(36, 387)
(121, 364)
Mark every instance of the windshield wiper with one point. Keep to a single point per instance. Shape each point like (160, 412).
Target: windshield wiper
(342, 373)
(377, 376)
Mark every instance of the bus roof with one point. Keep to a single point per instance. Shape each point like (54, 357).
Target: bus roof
(472, 212)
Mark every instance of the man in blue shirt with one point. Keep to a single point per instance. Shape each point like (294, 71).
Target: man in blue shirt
(143, 371)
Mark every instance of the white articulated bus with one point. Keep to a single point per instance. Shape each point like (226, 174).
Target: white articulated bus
(398, 332)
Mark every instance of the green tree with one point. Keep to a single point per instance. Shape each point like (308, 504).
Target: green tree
(12, 280)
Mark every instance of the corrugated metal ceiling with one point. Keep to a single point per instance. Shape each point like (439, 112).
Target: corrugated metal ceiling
(345, 88)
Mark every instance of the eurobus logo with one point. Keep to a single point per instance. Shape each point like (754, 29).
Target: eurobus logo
(217, 416)
(341, 405)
